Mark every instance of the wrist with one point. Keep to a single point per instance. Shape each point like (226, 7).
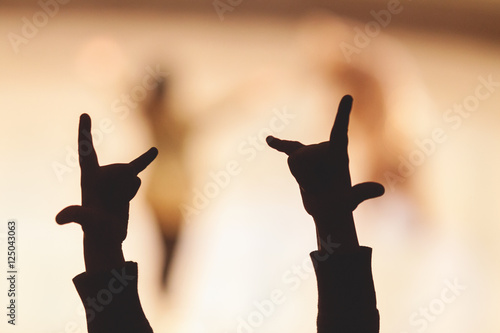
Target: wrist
(101, 256)
(336, 231)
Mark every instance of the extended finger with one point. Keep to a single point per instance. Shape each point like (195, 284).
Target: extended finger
(338, 136)
(92, 221)
(365, 191)
(78, 214)
(141, 162)
(284, 146)
(86, 151)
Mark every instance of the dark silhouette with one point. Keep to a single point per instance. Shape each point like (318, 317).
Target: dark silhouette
(343, 268)
(108, 288)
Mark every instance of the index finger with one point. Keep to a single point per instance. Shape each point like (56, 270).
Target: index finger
(338, 136)
(86, 151)
(141, 162)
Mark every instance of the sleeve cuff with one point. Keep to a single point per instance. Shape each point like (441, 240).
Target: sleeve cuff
(111, 300)
(346, 300)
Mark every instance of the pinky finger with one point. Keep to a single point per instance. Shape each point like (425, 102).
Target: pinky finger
(284, 146)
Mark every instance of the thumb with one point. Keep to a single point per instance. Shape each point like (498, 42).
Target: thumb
(365, 191)
(78, 214)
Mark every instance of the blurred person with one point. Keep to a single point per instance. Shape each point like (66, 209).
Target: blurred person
(311, 74)
(170, 181)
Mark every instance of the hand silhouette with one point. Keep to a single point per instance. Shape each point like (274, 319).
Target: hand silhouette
(322, 172)
(106, 192)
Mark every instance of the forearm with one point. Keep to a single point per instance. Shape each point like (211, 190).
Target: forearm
(108, 289)
(346, 291)
(336, 228)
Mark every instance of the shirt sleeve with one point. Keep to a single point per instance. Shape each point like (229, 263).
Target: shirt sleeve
(346, 294)
(111, 301)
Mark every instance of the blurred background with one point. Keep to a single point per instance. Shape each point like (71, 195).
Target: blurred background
(218, 225)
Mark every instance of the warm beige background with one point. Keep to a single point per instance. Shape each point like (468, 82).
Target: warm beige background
(232, 77)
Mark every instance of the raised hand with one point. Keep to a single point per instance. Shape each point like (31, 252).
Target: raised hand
(322, 172)
(106, 192)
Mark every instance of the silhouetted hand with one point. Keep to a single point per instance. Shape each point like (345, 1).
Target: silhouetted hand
(322, 172)
(106, 192)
